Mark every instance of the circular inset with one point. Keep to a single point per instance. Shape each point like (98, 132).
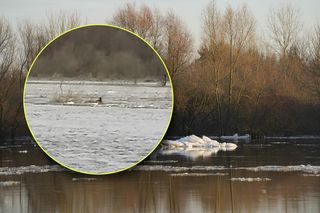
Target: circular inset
(98, 99)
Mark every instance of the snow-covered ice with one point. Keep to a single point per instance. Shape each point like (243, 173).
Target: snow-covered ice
(112, 136)
(250, 179)
(84, 179)
(304, 169)
(194, 147)
(291, 168)
(195, 174)
(193, 141)
(9, 183)
(30, 169)
(236, 137)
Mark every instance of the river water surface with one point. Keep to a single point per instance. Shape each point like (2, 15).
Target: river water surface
(261, 176)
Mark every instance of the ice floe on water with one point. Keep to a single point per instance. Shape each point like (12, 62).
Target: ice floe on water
(195, 141)
(191, 153)
(279, 142)
(301, 137)
(311, 175)
(160, 161)
(23, 151)
(291, 168)
(167, 168)
(9, 183)
(30, 169)
(186, 174)
(315, 170)
(237, 137)
(250, 179)
(194, 147)
(84, 179)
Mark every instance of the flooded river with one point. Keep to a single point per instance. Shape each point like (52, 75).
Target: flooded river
(257, 177)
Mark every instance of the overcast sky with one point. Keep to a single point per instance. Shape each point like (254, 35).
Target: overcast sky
(98, 11)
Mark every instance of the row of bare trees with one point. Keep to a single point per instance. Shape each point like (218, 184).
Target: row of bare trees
(236, 81)
(166, 33)
(241, 83)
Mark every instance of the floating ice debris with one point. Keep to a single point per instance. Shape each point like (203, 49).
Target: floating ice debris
(14, 145)
(243, 179)
(228, 146)
(160, 161)
(69, 103)
(293, 168)
(95, 104)
(208, 140)
(84, 179)
(23, 151)
(186, 174)
(236, 137)
(311, 175)
(307, 145)
(191, 153)
(176, 168)
(9, 183)
(279, 142)
(172, 143)
(160, 168)
(193, 147)
(192, 140)
(30, 169)
(302, 137)
(195, 141)
(312, 170)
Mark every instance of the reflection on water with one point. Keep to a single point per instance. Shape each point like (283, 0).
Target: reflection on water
(273, 177)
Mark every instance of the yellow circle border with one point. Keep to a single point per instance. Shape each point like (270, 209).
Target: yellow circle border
(101, 25)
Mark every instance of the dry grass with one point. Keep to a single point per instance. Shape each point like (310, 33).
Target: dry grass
(63, 98)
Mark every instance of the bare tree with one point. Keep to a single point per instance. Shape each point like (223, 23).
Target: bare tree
(32, 39)
(312, 62)
(284, 25)
(7, 55)
(60, 22)
(126, 17)
(239, 33)
(212, 32)
(7, 47)
(211, 51)
(144, 21)
(168, 35)
(178, 47)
